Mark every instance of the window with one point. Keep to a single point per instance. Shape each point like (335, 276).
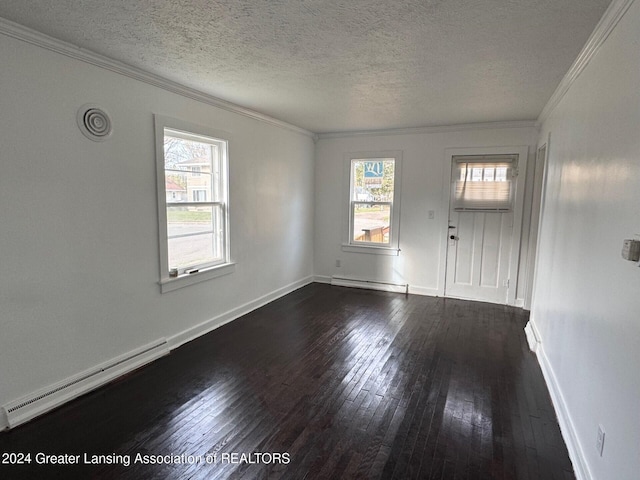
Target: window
(199, 195)
(483, 183)
(373, 203)
(192, 164)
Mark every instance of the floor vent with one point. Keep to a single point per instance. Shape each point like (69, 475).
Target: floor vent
(41, 401)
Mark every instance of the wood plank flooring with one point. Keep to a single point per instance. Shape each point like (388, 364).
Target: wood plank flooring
(342, 383)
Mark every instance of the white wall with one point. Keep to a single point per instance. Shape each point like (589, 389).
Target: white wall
(424, 165)
(78, 219)
(586, 305)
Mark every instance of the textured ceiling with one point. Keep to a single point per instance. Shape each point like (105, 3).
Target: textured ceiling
(329, 65)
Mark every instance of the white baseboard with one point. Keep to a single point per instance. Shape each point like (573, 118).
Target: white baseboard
(322, 279)
(220, 320)
(576, 452)
(533, 338)
(45, 399)
(428, 292)
(41, 401)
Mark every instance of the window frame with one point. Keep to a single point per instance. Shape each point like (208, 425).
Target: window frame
(348, 243)
(209, 270)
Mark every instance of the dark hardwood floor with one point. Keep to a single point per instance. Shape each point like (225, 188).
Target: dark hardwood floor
(342, 383)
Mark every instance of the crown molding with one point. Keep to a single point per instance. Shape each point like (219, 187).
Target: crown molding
(33, 37)
(608, 22)
(605, 26)
(435, 129)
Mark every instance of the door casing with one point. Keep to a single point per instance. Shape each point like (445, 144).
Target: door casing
(518, 207)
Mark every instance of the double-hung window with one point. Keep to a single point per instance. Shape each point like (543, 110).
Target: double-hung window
(192, 166)
(374, 184)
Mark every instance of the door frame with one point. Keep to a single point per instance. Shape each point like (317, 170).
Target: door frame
(518, 208)
(543, 197)
(537, 199)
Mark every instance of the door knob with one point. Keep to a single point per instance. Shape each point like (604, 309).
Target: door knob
(452, 237)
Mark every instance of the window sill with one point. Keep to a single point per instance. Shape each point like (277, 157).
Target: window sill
(371, 249)
(169, 284)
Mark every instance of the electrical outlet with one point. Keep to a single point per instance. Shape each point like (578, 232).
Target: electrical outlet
(432, 214)
(600, 440)
(338, 263)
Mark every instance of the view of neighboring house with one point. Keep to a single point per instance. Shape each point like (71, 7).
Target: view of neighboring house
(189, 181)
(175, 191)
(198, 181)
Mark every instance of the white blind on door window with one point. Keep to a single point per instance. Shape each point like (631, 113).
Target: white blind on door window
(483, 183)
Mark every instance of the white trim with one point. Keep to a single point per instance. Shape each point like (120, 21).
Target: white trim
(371, 249)
(535, 220)
(518, 214)
(518, 209)
(426, 130)
(102, 374)
(607, 23)
(190, 130)
(36, 38)
(444, 222)
(171, 284)
(543, 197)
(322, 279)
(45, 399)
(194, 332)
(393, 248)
(532, 336)
(605, 26)
(567, 428)
(425, 291)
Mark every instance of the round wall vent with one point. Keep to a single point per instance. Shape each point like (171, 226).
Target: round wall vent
(94, 123)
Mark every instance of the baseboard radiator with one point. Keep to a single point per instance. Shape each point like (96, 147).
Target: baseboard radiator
(24, 409)
(370, 284)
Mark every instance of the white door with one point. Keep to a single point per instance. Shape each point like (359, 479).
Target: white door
(480, 227)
